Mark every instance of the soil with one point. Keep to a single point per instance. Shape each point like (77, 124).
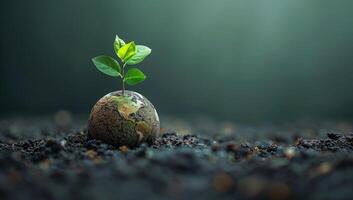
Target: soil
(198, 158)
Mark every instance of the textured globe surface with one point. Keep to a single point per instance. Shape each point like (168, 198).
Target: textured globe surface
(128, 119)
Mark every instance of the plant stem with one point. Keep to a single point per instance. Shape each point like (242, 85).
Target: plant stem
(122, 78)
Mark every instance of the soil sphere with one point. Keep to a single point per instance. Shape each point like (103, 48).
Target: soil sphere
(128, 119)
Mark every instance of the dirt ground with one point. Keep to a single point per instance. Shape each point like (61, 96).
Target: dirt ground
(51, 157)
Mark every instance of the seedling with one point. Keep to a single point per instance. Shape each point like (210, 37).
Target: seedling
(129, 54)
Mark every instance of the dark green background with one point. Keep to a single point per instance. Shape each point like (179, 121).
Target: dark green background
(239, 60)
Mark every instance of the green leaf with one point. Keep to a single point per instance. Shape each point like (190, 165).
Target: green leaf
(141, 53)
(134, 76)
(118, 43)
(127, 51)
(107, 65)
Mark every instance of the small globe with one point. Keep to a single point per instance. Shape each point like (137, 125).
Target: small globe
(128, 119)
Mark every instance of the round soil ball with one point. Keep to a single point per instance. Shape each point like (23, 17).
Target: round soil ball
(128, 119)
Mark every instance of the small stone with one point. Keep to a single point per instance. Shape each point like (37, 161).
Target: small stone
(324, 168)
(91, 154)
(289, 152)
(63, 143)
(272, 148)
(123, 149)
(231, 146)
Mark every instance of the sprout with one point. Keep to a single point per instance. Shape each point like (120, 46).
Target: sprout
(129, 54)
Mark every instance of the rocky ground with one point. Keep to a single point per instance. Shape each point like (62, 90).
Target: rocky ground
(198, 158)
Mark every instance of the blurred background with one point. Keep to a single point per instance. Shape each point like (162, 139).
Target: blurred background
(236, 60)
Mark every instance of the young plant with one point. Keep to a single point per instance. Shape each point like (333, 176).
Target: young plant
(129, 54)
